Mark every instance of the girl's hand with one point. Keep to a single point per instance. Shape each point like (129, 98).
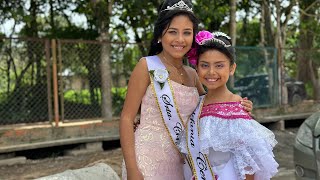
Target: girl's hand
(247, 104)
(135, 175)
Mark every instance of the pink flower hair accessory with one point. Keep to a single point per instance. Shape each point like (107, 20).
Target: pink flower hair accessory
(192, 56)
(203, 36)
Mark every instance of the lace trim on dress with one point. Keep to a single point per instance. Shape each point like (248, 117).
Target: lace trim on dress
(226, 110)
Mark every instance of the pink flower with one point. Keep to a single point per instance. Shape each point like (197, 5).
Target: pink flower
(192, 56)
(203, 36)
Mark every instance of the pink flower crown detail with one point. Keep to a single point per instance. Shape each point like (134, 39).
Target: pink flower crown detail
(202, 38)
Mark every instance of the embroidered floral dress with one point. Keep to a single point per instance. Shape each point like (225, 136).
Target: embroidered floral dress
(235, 143)
(157, 157)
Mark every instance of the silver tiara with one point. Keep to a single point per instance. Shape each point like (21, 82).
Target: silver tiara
(181, 5)
(214, 39)
(218, 33)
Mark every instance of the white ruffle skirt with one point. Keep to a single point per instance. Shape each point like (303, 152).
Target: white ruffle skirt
(249, 143)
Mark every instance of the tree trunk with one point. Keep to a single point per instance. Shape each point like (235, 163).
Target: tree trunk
(233, 30)
(103, 9)
(268, 24)
(267, 60)
(305, 44)
(262, 24)
(278, 45)
(315, 82)
(233, 23)
(52, 23)
(306, 72)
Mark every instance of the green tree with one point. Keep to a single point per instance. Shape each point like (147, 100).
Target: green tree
(308, 66)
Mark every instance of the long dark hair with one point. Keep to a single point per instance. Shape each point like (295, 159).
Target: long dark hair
(163, 22)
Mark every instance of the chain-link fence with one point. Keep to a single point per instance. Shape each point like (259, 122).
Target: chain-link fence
(23, 80)
(80, 77)
(256, 75)
(28, 92)
(27, 71)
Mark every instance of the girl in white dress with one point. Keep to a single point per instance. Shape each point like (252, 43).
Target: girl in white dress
(236, 146)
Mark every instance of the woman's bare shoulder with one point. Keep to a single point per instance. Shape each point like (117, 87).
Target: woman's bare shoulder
(190, 70)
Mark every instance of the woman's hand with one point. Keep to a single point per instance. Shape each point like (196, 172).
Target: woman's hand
(134, 175)
(247, 104)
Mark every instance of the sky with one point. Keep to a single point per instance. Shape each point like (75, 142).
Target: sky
(80, 20)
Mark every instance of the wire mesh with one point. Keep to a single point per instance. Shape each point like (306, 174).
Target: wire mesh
(256, 75)
(80, 77)
(26, 88)
(23, 81)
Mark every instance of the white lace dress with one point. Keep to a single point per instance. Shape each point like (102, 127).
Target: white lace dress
(229, 136)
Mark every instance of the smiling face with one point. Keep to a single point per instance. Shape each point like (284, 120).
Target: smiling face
(178, 37)
(214, 69)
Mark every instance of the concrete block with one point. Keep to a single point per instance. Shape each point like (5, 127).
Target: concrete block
(13, 161)
(78, 152)
(85, 148)
(279, 125)
(96, 146)
(7, 155)
(99, 171)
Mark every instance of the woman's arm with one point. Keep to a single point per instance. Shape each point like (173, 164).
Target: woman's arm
(247, 104)
(137, 87)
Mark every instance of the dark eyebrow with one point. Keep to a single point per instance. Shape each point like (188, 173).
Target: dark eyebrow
(220, 61)
(187, 29)
(214, 62)
(203, 61)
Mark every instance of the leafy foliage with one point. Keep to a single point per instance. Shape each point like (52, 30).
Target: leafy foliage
(130, 21)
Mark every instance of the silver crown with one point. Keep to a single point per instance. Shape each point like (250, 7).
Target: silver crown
(214, 39)
(221, 34)
(181, 5)
(220, 42)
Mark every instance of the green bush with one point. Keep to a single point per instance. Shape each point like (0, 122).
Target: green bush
(118, 97)
(83, 97)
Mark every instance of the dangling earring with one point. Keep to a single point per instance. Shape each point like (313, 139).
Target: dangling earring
(159, 41)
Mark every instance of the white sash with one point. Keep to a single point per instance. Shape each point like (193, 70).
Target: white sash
(199, 163)
(166, 101)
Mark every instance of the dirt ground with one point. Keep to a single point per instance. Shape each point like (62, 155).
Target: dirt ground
(47, 166)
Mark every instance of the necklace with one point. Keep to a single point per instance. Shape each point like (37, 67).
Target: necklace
(177, 68)
(180, 74)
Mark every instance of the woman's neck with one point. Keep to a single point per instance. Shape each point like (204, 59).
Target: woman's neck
(176, 62)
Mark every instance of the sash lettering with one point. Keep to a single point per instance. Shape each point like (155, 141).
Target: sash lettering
(177, 129)
(167, 104)
(202, 165)
(192, 126)
(198, 161)
(174, 124)
(165, 100)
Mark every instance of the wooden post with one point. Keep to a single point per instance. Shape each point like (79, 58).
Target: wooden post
(61, 82)
(49, 87)
(55, 82)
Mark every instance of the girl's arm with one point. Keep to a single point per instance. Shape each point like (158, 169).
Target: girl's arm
(137, 87)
